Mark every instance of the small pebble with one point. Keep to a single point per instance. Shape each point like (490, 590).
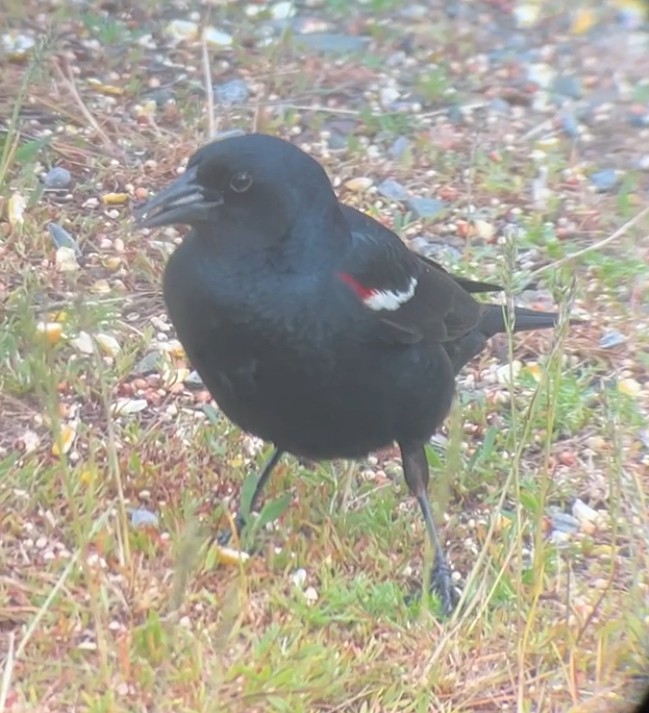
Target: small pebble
(66, 259)
(143, 518)
(233, 92)
(643, 163)
(217, 38)
(62, 239)
(638, 116)
(583, 512)
(16, 44)
(567, 458)
(193, 381)
(128, 407)
(484, 229)
(499, 107)
(611, 338)
(629, 386)
(148, 363)
(569, 124)
(393, 190)
(359, 185)
(298, 578)
(83, 343)
(569, 86)
(526, 14)
(179, 30)
(605, 180)
(327, 42)
(541, 74)
(108, 345)
(426, 207)
(387, 97)
(399, 147)
(57, 177)
(161, 96)
(558, 537)
(282, 10)
(564, 522)
(504, 372)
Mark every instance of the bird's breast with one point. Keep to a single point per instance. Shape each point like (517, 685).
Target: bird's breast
(293, 363)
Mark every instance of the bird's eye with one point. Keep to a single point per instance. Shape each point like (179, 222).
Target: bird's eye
(241, 182)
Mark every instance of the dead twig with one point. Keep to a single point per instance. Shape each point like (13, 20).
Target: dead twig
(595, 246)
(65, 77)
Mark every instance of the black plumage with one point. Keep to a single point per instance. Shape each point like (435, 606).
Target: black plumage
(312, 325)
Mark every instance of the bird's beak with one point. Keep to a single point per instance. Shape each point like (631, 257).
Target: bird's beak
(183, 202)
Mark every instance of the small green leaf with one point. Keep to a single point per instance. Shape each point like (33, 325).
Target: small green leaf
(484, 453)
(433, 457)
(274, 509)
(210, 558)
(27, 153)
(530, 502)
(211, 413)
(247, 491)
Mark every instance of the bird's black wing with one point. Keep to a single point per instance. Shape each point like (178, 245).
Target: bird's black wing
(412, 298)
(471, 286)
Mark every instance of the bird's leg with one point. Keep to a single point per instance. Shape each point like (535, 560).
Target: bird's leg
(265, 475)
(240, 520)
(415, 470)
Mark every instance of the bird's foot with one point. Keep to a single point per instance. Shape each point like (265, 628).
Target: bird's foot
(441, 583)
(225, 536)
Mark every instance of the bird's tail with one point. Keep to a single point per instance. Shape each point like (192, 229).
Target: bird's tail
(493, 320)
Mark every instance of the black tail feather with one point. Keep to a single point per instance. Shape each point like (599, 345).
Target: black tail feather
(493, 320)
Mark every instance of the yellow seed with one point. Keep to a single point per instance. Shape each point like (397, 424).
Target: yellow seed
(629, 386)
(108, 345)
(60, 316)
(51, 331)
(175, 350)
(16, 209)
(66, 439)
(101, 287)
(230, 556)
(534, 370)
(112, 263)
(584, 19)
(110, 89)
(359, 184)
(114, 198)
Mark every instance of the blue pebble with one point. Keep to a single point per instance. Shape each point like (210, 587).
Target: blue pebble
(604, 180)
(57, 177)
(393, 190)
(426, 207)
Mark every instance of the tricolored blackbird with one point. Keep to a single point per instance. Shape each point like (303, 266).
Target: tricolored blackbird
(312, 325)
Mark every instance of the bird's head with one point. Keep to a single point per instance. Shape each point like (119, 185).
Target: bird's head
(243, 187)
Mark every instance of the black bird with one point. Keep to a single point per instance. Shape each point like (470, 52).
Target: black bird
(312, 325)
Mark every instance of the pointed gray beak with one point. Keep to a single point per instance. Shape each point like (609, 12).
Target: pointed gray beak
(182, 202)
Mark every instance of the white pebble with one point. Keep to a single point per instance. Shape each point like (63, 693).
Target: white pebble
(298, 578)
(584, 512)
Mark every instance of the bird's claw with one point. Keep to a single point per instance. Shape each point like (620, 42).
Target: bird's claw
(223, 538)
(441, 583)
